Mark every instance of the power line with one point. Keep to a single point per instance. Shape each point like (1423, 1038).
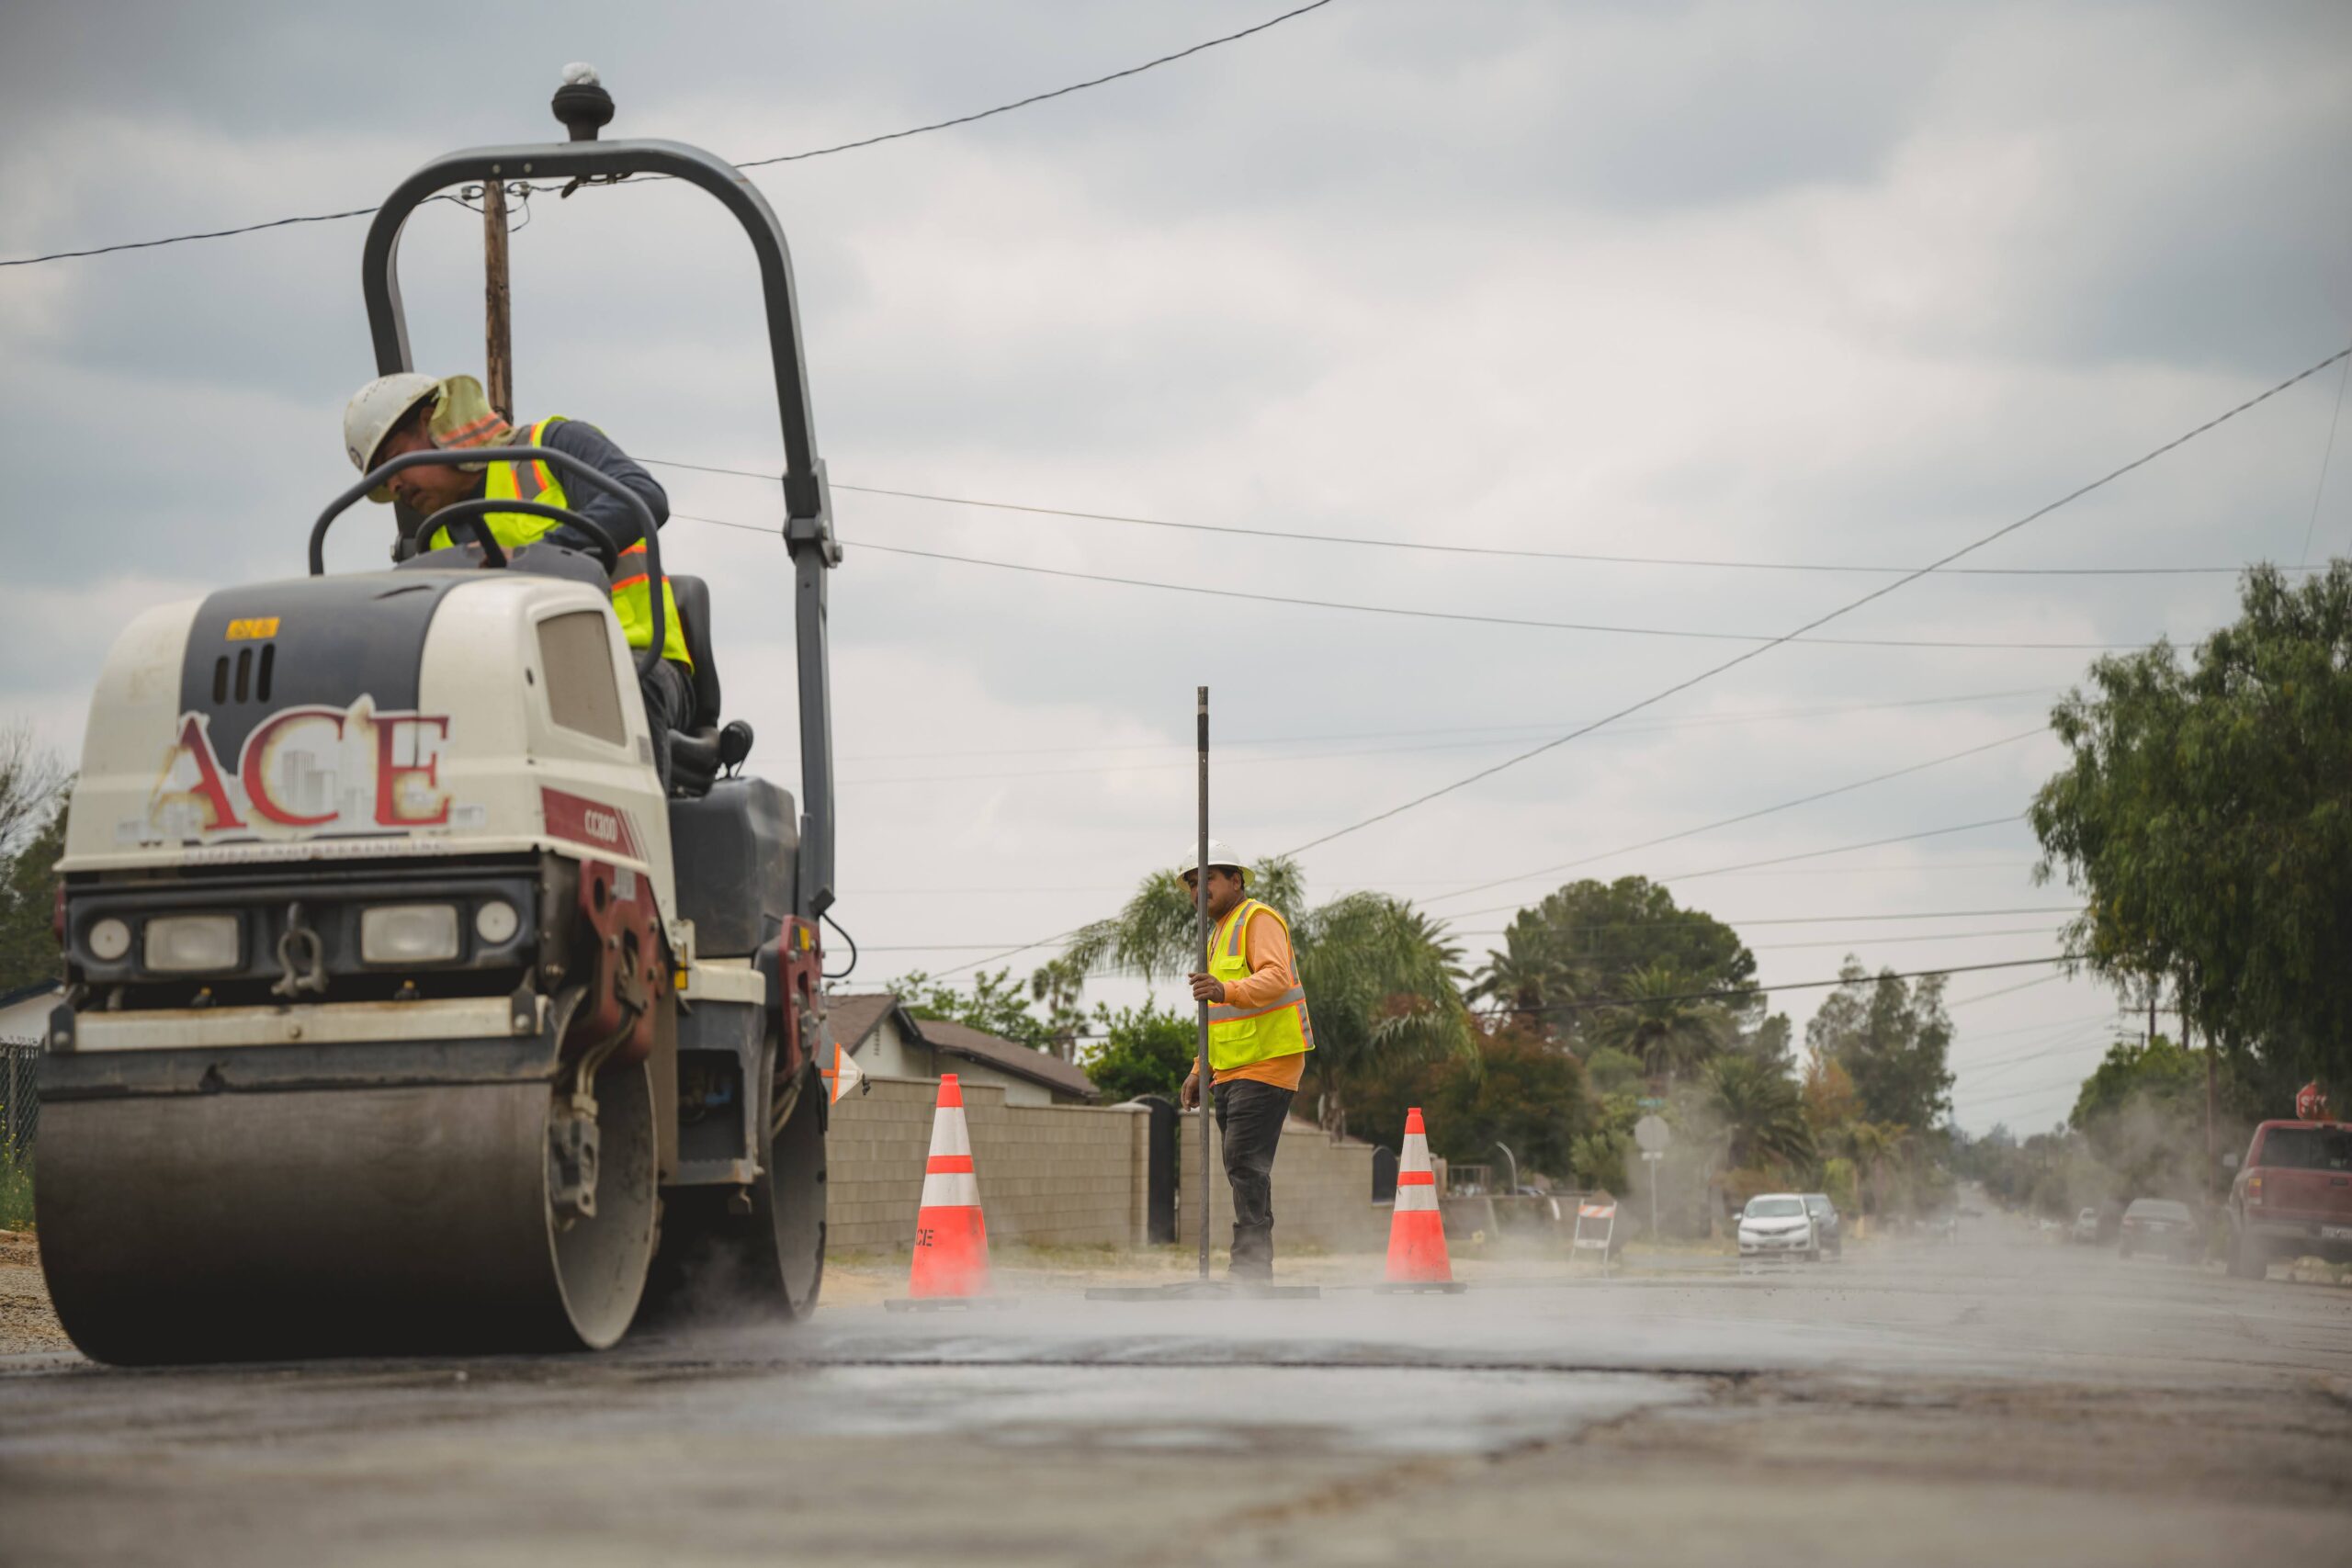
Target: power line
(1036, 98)
(1296, 758)
(1731, 992)
(1783, 860)
(1812, 919)
(750, 164)
(1598, 957)
(1507, 552)
(2006, 990)
(2327, 456)
(1499, 732)
(208, 234)
(1847, 608)
(1766, 638)
(1750, 816)
(1464, 615)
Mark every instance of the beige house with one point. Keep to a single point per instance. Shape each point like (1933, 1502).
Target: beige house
(887, 1041)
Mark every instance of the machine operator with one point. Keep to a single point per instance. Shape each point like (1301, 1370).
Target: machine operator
(394, 415)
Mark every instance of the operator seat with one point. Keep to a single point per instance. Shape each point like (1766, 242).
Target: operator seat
(701, 748)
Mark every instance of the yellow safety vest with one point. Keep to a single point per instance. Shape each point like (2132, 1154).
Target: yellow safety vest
(632, 596)
(1239, 1036)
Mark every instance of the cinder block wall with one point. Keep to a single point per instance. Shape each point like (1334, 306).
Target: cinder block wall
(1322, 1189)
(1073, 1175)
(1060, 1175)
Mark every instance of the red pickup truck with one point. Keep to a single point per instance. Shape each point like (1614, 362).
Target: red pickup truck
(2292, 1197)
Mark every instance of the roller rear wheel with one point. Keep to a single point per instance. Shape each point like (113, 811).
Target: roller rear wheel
(721, 1258)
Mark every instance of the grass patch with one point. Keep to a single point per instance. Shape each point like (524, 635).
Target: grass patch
(16, 1195)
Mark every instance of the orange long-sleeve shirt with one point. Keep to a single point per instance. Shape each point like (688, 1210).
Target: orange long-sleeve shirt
(1267, 946)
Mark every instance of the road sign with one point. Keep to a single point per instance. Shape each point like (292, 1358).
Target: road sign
(1650, 1132)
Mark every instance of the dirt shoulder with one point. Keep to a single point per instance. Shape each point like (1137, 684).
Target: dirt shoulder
(27, 1324)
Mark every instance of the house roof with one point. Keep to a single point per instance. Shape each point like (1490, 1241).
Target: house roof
(1005, 1056)
(856, 1015)
(26, 993)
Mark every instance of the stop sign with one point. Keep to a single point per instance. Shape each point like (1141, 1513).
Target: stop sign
(2311, 1105)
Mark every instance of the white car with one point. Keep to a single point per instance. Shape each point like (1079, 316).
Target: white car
(1777, 1225)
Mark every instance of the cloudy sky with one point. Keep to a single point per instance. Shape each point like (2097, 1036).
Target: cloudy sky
(1788, 283)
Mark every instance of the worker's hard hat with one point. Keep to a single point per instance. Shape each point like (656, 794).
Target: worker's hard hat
(1220, 855)
(374, 409)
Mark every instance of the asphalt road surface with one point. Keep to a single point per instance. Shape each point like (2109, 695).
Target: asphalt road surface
(2000, 1399)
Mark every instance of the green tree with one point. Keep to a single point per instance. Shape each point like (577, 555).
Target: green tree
(1590, 938)
(1762, 1115)
(32, 837)
(995, 1004)
(27, 907)
(2206, 815)
(1383, 984)
(1145, 1049)
(1662, 1021)
(1520, 1089)
(1891, 1040)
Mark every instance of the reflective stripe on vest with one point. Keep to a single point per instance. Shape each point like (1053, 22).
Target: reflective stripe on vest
(1239, 1036)
(632, 598)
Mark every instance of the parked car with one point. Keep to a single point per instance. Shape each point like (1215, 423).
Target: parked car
(1828, 1225)
(2293, 1196)
(2085, 1232)
(1777, 1225)
(2163, 1226)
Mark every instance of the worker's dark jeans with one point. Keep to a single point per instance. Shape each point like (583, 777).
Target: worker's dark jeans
(668, 704)
(1250, 1115)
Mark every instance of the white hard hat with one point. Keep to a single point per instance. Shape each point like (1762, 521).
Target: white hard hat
(375, 409)
(1220, 853)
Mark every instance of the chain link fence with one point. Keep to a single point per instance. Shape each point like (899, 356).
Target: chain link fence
(20, 1102)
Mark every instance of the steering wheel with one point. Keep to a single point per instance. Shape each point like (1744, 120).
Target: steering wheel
(472, 516)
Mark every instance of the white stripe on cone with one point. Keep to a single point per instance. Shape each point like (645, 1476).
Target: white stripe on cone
(949, 1135)
(1415, 1197)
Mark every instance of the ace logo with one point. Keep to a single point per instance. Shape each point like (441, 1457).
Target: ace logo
(303, 771)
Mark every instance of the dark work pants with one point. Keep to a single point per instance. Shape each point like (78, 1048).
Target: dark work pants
(1251, 1116)
(668, 704)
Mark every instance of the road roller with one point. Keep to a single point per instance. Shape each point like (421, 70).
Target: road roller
(406, 1011)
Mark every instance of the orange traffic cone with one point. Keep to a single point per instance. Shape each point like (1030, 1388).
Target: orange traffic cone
(951, 1238)
(1417, 1257)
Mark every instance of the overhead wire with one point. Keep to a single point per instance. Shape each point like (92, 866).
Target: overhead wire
(1504, 551)
(1783, 860)
(1730, 992)
(1748, 815)
(1851, 605)
(1507, 552)
(1473, 617)
(748, 163)
(1129, 768)
(1766, 638)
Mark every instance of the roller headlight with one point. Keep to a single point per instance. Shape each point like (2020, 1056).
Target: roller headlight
(109, 939)
(409, 933)
(495, 922)
(189, 945)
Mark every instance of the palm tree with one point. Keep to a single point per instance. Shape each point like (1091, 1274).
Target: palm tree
(1763, 1113)
(1662, 1021)
(1382, 984)
(1530, 977)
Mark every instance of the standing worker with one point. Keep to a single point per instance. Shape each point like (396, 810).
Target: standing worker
(394, 415)
(1259, 1038)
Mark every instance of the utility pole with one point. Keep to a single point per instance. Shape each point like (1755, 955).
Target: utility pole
(2213, 1150)
(498, 323)
(1201, 950)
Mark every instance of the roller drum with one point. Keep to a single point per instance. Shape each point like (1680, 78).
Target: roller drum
(348, 1221)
